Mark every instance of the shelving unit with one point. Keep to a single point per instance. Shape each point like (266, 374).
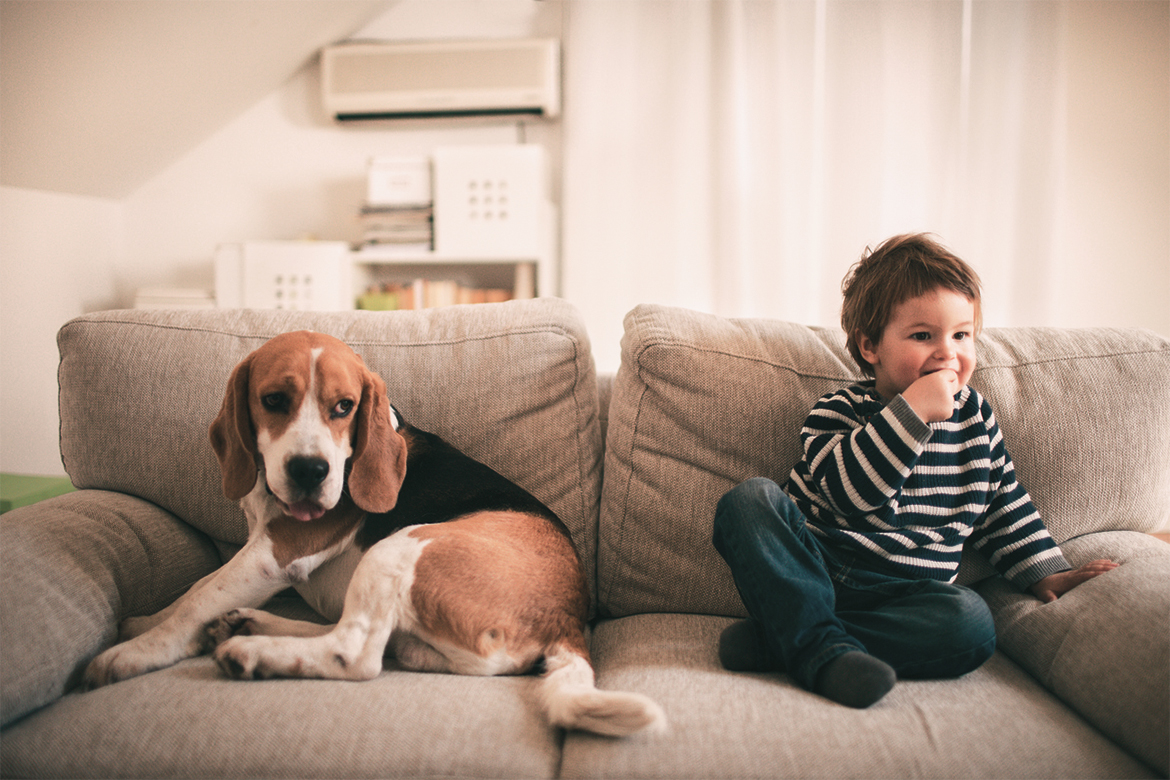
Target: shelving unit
(493, 226)
(522, 276)
(528, 274)
(487, 216)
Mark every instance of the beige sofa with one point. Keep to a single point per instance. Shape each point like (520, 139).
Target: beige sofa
(1078, 688)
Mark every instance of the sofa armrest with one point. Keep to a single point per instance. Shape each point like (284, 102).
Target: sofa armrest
(70, 569)
(1103, 647)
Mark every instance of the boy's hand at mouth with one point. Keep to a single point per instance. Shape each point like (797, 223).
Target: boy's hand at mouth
(932, 396)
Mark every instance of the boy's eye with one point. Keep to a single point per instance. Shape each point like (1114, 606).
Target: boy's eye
(921, 336)
(962, 336)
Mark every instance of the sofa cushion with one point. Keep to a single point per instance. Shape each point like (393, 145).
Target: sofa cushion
(996, 722)
(191, 721)
(511, 384)
(69, 568)
(701, 403)
(1103, 647)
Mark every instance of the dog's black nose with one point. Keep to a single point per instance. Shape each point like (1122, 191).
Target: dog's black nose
(307, 473)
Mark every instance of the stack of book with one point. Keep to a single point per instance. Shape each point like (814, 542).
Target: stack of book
(398, 214)
(394, 227)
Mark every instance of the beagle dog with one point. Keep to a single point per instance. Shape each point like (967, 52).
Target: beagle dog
(411, 547)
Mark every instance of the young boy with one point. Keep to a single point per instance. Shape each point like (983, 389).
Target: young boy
(847, 572)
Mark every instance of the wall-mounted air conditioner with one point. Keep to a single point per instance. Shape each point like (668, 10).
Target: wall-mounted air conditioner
(441, 78)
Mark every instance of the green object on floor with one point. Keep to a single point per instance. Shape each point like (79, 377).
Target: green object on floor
(17, 490)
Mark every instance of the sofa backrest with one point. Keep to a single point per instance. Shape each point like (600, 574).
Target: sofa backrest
(701, 403)
(510, 384)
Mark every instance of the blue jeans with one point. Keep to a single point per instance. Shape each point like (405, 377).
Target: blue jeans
(811, 604)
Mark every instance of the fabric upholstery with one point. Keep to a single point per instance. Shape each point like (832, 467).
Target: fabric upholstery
(510, 384)
(70, 568)
(191, 721)
(1103, 647)
(994, 722)
(701, 403)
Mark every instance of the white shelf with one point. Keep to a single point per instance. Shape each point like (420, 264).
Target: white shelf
(525, 277)
(493, 226)
(395, 257)
(532, 269)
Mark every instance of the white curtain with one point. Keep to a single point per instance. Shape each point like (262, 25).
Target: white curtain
(736, 156)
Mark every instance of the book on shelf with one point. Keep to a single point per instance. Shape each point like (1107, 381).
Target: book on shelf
(427, 294)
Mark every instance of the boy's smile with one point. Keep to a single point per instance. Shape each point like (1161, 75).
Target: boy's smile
(930, 333)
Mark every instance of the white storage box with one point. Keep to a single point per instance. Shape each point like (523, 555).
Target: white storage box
(489, 201)
(295, 275)
(399, 181)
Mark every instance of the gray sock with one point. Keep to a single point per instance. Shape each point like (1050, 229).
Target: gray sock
(742, 649)
(855, 679)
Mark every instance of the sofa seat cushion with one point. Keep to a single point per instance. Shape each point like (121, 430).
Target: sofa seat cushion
(510, 384)
(994, 722)
(191, 721)
(1072, 645)
(701, 403)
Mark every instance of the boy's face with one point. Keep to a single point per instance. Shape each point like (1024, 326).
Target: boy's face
(926, 334)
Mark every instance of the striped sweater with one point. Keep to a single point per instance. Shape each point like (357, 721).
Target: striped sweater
(879, 482)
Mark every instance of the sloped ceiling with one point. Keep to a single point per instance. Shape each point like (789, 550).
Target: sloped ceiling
(96, 96)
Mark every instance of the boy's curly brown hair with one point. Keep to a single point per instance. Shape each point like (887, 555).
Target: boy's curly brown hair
(903, 267)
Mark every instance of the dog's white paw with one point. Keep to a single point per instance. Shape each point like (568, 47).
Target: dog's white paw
(242, 658)
(120, 662)
(156, 649)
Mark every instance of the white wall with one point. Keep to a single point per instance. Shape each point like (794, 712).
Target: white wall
(274, 173)
(57, 259)
(1115, 226)
(97, 97)
(284, 170)
(280, 170)
(689, 186)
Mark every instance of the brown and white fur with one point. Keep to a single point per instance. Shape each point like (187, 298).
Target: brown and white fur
(442, 561)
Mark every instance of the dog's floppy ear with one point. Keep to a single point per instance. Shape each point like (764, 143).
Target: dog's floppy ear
(232, 436)
(379, 451)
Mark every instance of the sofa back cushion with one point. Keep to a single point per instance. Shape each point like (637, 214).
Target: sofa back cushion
(510, 384)
(701, 403)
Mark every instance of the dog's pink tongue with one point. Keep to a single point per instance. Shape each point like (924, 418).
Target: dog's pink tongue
(305, 511)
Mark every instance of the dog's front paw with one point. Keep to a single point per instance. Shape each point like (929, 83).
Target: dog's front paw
(238, 622)
(241, 658)
(120, 662)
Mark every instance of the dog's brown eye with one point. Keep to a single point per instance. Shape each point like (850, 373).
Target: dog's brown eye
(342, 409)
(275, 402)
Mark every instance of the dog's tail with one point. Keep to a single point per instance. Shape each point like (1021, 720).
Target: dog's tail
(572, 701)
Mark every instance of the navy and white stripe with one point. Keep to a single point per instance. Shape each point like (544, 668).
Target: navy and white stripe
(879, 482)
